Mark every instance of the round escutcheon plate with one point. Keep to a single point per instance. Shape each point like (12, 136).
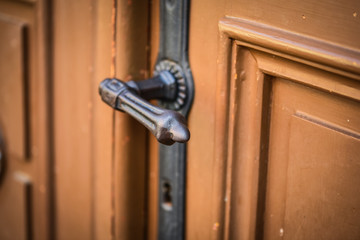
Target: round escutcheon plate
(177, 72)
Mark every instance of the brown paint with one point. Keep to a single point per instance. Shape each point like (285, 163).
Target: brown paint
(24, 119)
(274, 125)
(244, 181)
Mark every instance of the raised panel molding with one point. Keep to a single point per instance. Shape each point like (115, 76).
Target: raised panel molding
(299, 48)
(17, 223)
(25, 98)
(14, 86)
(311, 205)
(252, 59)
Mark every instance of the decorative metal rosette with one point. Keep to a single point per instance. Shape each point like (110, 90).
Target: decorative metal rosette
(177, 72)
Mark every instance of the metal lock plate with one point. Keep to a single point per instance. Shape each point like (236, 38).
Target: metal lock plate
(173, 86)
(173, 56)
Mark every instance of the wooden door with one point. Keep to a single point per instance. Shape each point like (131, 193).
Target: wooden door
(100, 155)
(275, 124)
(24, 124)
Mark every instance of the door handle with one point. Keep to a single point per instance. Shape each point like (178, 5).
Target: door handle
(167, 126)
(173, 85)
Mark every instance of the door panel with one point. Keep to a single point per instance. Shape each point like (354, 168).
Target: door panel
(24, 180)
(100, 154)
(291, 129)
(313, 165)
(244, 66)
(14, 89)
(230, 174)
(331, 20)
(274, 125)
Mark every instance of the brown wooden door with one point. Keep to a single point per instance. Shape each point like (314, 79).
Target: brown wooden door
(275, 124)
(24, 126)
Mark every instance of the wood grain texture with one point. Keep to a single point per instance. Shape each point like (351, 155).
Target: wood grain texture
(102, 125)
(17, 208)
(328, 20)
(311, 162)
(13, 101)
(200, 163)
(26, 79)
(130, 149)
(297, 41)
(73, 93)
(243, 138)
(259, 190)
(301, 48)
(100, 155)
(153, 156)
(106, 164)
(321, 188)
(247, 117)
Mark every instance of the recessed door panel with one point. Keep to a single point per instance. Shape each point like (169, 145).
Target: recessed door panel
(14, 197)
(24, 160)
(312, 187)
(13, 85)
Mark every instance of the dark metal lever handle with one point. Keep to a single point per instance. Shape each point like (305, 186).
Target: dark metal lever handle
(168, 126)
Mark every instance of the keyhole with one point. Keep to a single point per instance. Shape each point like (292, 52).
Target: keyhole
(167, 199)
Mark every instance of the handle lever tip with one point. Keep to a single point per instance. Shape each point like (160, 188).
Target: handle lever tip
(172, 129)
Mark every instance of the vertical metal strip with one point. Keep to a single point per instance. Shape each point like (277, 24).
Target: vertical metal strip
(171, 223)
(174, 27)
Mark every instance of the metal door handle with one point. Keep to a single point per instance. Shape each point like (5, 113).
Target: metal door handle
(167, 126)
(173, 85)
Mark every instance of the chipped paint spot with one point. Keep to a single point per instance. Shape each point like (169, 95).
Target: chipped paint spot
(242, 76)
(303, 17)
(281, 232)
(216, 226)
(354, 14)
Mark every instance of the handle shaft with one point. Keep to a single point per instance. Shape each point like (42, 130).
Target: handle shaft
(168, 126)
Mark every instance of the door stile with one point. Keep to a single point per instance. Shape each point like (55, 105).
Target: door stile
(130, 138)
